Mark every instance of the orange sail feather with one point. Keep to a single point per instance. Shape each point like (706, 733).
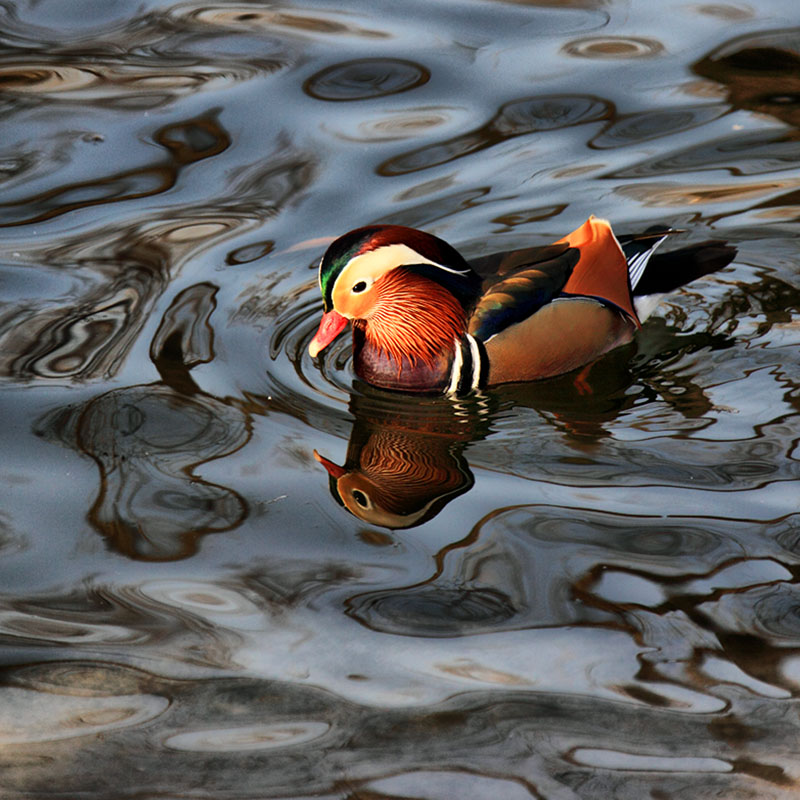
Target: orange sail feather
(602, 270)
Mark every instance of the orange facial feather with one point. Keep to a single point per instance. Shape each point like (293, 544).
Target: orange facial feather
(413, 317)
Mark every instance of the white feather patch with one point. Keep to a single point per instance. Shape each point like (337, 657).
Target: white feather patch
(455, 373)
(646, 304)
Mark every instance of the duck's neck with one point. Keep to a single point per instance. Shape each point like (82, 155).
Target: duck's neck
(374, 365)
(461, 370)
(414, 318)
(422, 351)
(409, 340)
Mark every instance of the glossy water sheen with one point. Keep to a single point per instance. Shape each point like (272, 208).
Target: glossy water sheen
(557, 591)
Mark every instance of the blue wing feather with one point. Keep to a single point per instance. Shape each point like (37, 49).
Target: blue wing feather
(518, 294)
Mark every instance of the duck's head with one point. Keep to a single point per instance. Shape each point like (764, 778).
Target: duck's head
(409, 291)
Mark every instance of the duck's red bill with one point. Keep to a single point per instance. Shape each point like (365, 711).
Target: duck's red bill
(334, 470)
(330, 326)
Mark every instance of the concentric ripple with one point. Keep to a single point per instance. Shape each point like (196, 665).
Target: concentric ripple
(291, 337)
(27, 716)
(434, 611)
(128, 85)
(520, 117)
(248, 737)
(613, 47)
(45, 78)
(365, 79)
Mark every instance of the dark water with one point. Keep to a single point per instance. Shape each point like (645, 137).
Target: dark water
(554, 593)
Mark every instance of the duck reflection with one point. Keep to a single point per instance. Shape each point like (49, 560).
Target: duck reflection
(147, 440)
(404, 460)
(761, 72)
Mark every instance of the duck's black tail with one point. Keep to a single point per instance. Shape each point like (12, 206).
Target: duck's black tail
(658, 273)
(667, 271)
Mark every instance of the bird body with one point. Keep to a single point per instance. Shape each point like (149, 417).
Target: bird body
(425, 320)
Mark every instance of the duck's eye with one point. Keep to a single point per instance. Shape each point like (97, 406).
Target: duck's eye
(360, 498)
(359, 287)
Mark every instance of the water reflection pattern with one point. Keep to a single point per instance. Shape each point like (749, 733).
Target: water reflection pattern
(518, 118)
(185, 143)
(580, 595)
(147, 440)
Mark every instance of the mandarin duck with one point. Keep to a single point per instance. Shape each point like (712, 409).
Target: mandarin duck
(425, 320)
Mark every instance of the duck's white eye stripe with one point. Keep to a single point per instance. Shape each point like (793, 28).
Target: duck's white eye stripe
(447, 269)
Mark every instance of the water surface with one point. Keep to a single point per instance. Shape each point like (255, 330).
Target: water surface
(560, 590)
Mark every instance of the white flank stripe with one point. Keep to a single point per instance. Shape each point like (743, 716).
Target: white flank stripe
(455, 373)
(476, 361)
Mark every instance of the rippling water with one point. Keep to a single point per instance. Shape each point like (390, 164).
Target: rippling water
(550, 593)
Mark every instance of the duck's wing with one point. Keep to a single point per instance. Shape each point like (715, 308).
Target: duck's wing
(527, 280)
(498, 265)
